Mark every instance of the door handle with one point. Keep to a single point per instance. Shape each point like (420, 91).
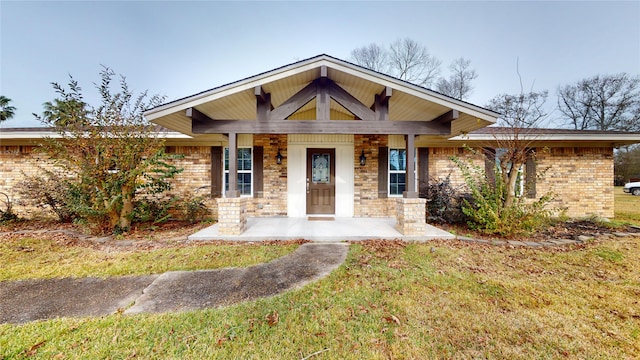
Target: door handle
(307, 185)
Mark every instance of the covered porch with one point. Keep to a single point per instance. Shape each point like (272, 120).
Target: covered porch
(328, 229)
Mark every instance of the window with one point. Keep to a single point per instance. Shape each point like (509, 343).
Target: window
(526, 178)
(397, 171)
(245, 170)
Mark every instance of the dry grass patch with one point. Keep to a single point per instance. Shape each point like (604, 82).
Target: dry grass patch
(60, 256)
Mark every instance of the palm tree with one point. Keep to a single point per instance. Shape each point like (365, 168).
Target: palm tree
(6, 111)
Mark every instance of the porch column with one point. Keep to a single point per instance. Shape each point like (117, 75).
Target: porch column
(410, 175)
(233, 167)
(232, 215)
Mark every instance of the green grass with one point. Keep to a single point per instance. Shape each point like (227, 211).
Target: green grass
(433, 300)
(29, 258)
(627, 207)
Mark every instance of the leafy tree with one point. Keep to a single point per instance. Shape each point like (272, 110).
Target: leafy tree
(6, 111)
(458, 85)
(111, 151)
(602, 102)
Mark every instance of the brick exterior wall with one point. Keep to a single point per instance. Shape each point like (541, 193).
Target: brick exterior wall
(581, 178)
(15, 163)
(195, 179)
(366, 201)
(441, 166)
(274, 199)
(410, 216)
(233, 215)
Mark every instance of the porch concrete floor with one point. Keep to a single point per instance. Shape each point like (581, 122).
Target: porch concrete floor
(340, 229)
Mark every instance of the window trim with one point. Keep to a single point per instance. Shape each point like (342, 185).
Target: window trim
(225, 170)
(389, 172)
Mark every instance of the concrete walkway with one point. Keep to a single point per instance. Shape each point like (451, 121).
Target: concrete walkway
(29, 300)
(340, 229)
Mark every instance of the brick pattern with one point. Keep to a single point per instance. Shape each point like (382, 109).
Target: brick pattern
(366, 201)
(274, 199)
(15, 163)
(195, 179)
(232, 214)
(581, 178)
(410, 216)
(441, 166)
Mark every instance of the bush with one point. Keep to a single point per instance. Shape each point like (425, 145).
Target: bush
(153, 210)
(195, 209)
(51, 192)
(444, 202)
(486, 210)
(6, 211)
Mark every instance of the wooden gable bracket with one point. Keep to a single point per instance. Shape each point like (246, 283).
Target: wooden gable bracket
(295, 102)
(196, 118)
(381, 104)
(263, 104)
(447, 117)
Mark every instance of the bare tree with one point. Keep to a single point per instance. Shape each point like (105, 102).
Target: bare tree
(458, 85)
(520, 114)
(372, 57)
(412, 62)
(607, 102)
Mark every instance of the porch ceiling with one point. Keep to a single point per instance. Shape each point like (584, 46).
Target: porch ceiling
(237, 101)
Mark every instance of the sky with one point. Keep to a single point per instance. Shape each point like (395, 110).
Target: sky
(180, 48)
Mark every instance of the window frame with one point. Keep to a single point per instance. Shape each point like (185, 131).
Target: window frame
(225, 168)
(404, 171)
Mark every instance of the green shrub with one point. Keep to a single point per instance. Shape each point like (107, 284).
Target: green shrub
(153, 210)
(195, 209)
(486, 210)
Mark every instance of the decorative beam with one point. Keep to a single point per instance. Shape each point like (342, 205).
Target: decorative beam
(349, 102)
(260, 94)
(295, 102)
(319, 127)
(195, 114)
(323, 71)
(447, 117)
(381, 104)
(323, 100)
(263, 104)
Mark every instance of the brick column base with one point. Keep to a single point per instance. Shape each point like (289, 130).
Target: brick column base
(410, 216)
(232, 215)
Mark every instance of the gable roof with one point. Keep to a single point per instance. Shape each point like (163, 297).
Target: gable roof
(237, 101)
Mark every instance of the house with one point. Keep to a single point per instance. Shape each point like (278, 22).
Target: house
(324, 137)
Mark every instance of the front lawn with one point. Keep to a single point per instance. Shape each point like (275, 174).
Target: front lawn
(392, 300)
(60, 256)
(627, 206)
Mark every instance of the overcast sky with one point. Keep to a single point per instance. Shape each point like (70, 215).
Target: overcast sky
(181, 48)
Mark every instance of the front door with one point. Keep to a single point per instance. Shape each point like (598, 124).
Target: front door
(321, 183)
